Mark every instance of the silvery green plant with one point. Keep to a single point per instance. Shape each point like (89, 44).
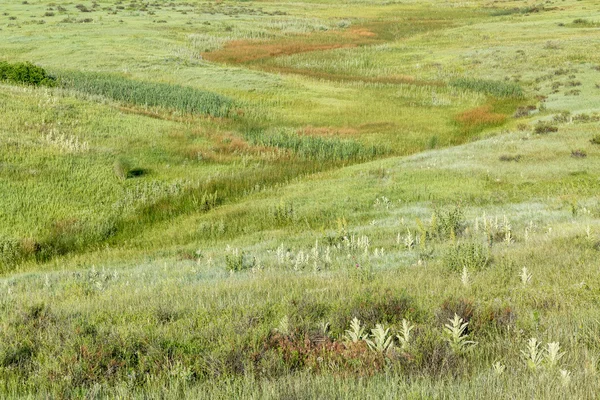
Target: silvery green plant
(565, 377)
(532, 354)
(455, 334)
(382, 341)
(525, 276)
(553, 354)
(465, 277)
(404, 337)
(356, 332)
(498, 368)
(284, 326)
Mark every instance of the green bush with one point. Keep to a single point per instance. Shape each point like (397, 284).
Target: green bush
(26, 73)
(473, 256)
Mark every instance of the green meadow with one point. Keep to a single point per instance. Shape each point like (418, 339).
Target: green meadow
(299, 200)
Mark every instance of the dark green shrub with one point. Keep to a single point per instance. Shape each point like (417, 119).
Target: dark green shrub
(544, 127)
(448, 224)
(25, 73)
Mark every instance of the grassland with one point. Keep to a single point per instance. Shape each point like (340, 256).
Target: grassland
(200, 197)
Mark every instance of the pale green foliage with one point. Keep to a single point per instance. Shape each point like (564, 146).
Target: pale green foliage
(356, 332)
(565, 377)
(532, 354)
(525, 276)
(404, 337)
(381, 340)
(284, 326)
(455, 334)
(553, 354)
(465, 277)
(498, 368)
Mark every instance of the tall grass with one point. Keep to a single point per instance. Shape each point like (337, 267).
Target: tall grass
(489, 87)
(313, 147)
(149, 94)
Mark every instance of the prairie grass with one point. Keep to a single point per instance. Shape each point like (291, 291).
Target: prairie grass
(300, 200)
(148, 94)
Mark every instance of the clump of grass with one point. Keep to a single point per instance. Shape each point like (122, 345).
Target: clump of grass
(544, 127)
(489, 87)
(313, 147)
(507, 158)
(25, 73)
(578, 154)
(121, 168)
(149, 94)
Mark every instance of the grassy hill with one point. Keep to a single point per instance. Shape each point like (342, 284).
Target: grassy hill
(200, 198)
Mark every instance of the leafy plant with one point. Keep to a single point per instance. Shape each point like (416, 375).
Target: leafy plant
(284, 326)
(455, 333)
(553, 354)
(473, 256)
(498, 368)
(356, 332)
(465, 277)
(382, 341)
(525, 276)
(405, 337)
(532, 354)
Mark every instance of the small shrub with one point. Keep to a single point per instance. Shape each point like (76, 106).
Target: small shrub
(82, 8)
(524, 111)
(25, 73)
(474, 256)
(448, 224)
(595, 140)
(236, 261)
(121, 168)
(10, 254)
(544, 128)
(507, 158)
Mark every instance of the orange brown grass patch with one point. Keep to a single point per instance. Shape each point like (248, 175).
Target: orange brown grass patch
(479, 118)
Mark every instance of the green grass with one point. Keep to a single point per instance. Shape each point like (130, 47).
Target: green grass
(489, 87)
(148, 94)
(213, 191)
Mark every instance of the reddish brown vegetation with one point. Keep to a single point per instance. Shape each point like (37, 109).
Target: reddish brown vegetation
(479, 117)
